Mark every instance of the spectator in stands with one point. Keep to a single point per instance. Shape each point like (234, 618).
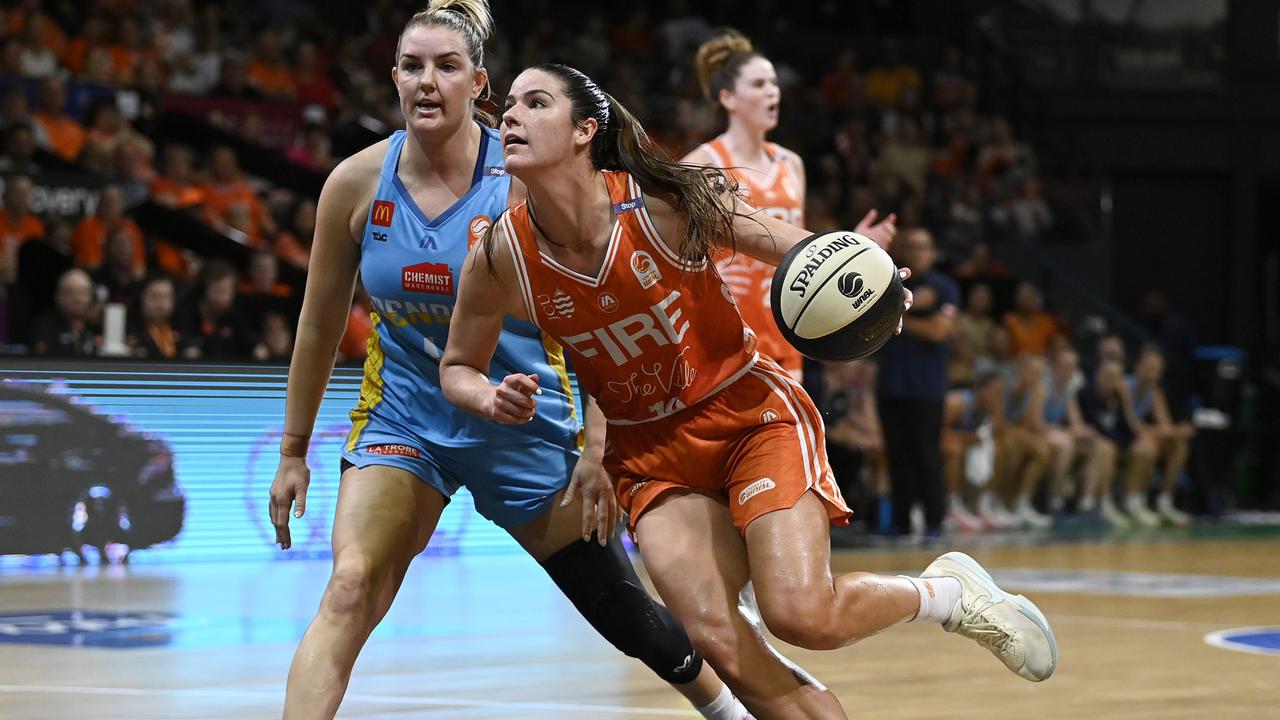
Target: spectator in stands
(107, 127)
(57, 131)
(71, 329)
(198, 70)
(90, 236)
(979, 265)
(293, 245)
(119, 277)
(906, 156)
(19, 150)
(277, 340)
(17, 225)
(971, 341)
(1110, 348)
(226, 189)
(263, 292)
(233, 79)
(41, 262)
(177, 188)
(314, 87)
(1073, 441)
(889, 81)
(152, 334)
(1023, 445)
(1030, 327)
(133, 169)
(214, 327)
(912, 385)
(1159, 443)
(1023, 214)
(93, 35)
(313, 150)
(355, 342)
(970, 422)
(855, 440)
(267, 72)
(38, 59)
(1105, 406)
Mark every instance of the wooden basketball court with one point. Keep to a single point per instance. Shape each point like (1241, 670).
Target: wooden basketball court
(489, 637)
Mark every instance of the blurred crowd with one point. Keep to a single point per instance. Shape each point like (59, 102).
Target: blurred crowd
(1033, 419)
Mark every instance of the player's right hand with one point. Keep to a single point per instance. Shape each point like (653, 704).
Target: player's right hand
(290, 486)
(513, 402)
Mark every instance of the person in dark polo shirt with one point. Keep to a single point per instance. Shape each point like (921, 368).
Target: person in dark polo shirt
(912, 385)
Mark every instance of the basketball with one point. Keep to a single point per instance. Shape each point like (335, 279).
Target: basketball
(837, 296)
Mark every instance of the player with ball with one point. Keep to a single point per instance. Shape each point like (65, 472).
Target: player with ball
(717, 454)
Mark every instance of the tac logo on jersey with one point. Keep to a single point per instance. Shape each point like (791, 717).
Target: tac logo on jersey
(394, 449)
(383, 212)
(431, 278)
(555, 306)
(645, 268)
(608, 302)
(476, 229)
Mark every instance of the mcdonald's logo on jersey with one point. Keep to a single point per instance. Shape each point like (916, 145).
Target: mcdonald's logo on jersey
(383, 211)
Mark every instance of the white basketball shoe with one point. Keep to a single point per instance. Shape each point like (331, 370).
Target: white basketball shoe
(1010, 626)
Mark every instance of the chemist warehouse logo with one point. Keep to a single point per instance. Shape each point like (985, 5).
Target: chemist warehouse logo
(431, 278)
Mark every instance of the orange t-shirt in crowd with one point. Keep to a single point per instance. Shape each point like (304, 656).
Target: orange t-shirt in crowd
(168, 191)
(290, 250)
(89, 240)
(272, 79)
(12, 235)
(1030, 334)
(355, 343)
(66, 135)
(219, 199)
(779, 194)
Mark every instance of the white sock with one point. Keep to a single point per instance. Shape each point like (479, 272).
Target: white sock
(1138, 500)
(1087, 503)
(725, 707)
(939, 597)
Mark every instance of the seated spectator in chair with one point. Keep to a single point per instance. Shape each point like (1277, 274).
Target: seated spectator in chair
(1072, 441)
(118, 276)
(20, 150)
(263, 292)
(55, 129)
(294, 244)
(152, 334)
(177, 188)
(855, 440)
(214, 328)
(277, 340)
(970, 421)
(1023, 445)
(71, 329)
(17, 225)
(1030, 327)
(1159, 442)
(979, 265)
(971, 340)
(89, 239)
(1105, 405)
(227, 189)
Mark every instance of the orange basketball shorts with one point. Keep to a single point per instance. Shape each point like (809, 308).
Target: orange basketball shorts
(759, 444)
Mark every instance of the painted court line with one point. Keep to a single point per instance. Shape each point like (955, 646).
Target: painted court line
(355, 697)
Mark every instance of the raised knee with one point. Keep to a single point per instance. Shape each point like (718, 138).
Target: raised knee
(802, 622)
(350, 590)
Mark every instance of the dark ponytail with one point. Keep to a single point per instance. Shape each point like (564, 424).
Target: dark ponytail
(621, 143)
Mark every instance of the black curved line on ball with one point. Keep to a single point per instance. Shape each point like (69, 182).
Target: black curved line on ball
(823, 284)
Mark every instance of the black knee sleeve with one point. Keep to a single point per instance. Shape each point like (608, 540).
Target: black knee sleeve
(603, 585)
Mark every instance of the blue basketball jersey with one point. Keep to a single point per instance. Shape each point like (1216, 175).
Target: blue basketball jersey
(1144, 404)
(1056, 400)
(410, 265)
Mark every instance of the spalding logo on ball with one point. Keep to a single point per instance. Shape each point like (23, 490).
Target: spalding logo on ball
(837, 296)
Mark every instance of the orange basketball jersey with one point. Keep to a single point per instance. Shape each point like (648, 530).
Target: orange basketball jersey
(650, 334)
(779, 195)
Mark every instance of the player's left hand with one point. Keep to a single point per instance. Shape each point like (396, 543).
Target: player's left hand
(600, 512)
(907, 297)
(881, 232)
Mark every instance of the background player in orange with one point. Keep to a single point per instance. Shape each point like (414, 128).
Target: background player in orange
(770, 177)
(716, 452)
